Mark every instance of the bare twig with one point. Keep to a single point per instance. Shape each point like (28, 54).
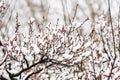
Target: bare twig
(93, 65)
(119, 29)
(75, 12)
(65, 18)
(113, 37)
(104, 44)
(78, 26)
(17, 23)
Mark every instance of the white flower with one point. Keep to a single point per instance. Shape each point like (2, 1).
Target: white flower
(35, 48)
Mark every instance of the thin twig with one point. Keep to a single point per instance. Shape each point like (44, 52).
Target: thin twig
(65, 18)
(113, 37)
(75, 12)
(93, 62)
(119, 29)
(78, 26)
(104, 48)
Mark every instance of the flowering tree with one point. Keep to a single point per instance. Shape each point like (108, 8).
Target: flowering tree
(63, 52)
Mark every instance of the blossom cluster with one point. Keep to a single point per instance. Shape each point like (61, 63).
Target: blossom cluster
(63, 53)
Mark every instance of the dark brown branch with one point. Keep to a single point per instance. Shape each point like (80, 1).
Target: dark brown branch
(2, 78)
(25, 60)
(27, 78)
(27, 68)
(38, 71)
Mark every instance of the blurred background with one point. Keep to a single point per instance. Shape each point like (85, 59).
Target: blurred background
(54, 12)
